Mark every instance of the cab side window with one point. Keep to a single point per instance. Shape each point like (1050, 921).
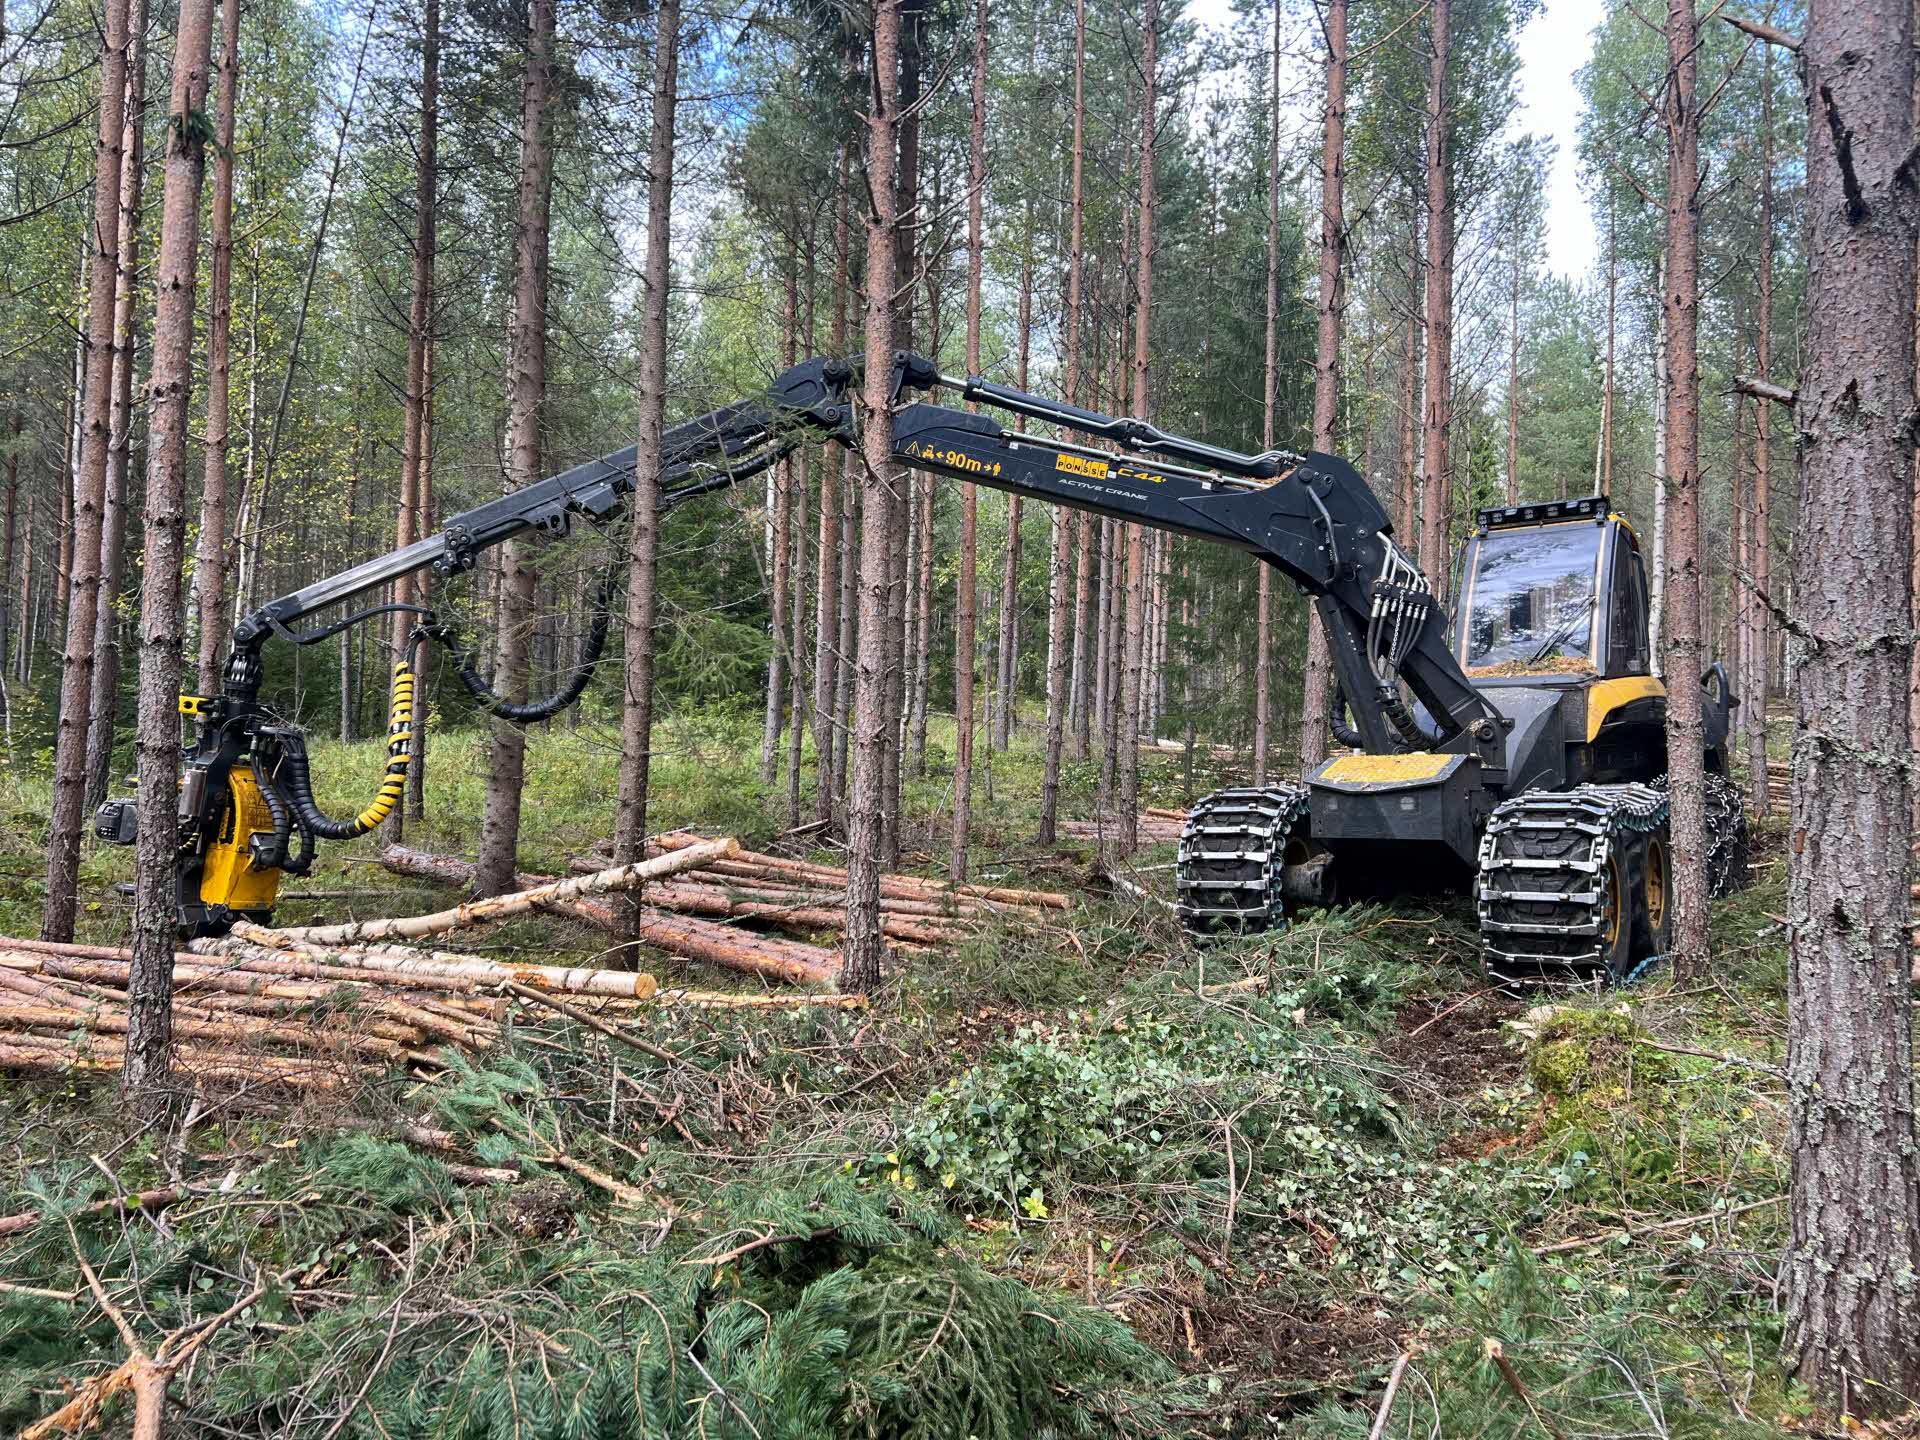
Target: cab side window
(1627, 625)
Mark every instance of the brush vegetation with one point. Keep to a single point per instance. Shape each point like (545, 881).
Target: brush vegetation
(1077, 1180)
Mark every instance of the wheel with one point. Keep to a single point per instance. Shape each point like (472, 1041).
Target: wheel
(1654, 918)
(1728, 842)
(1562, 888)
(1619, 916)
(1232, 851)
(1727, 838)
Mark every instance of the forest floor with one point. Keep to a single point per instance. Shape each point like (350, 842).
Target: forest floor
(1073, 1178)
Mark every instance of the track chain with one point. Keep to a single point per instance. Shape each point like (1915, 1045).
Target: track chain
(1543, 885)
(1227, 876)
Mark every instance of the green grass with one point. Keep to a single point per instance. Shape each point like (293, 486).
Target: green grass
(1076, 1178)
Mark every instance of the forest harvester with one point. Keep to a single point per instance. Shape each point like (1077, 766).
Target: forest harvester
(1516, 749)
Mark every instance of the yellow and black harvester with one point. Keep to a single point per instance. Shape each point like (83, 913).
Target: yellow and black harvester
(1515, 749)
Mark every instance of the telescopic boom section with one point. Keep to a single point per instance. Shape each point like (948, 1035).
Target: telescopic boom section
(1309, 516)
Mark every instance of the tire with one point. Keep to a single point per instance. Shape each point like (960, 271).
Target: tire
(1653, 908)
(1620, 912)
(1728, 842)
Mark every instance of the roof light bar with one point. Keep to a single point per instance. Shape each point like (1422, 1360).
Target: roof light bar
(1587, 507)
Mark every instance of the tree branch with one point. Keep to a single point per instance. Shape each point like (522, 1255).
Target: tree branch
(1761, 389)
(1760, 30)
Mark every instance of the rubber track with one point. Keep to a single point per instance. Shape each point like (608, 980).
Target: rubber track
(1543, 880)
(1227, 876)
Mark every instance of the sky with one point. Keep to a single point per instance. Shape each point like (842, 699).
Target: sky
(1555, 44)
(1553, 47)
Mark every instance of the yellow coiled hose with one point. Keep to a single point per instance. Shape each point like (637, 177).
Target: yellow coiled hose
(393, 783)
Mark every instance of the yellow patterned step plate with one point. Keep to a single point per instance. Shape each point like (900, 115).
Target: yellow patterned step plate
(1385, 772)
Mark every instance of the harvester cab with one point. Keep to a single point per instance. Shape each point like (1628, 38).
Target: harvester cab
(1563, 842)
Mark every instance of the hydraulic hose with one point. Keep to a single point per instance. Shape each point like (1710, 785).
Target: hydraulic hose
(299, 781)
(467, 665)
(1337, 721)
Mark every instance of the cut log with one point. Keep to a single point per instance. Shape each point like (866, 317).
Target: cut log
(906, 886)
(686, 936)
(522, 902)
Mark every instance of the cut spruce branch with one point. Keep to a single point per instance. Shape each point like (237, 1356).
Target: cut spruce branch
(522, 902)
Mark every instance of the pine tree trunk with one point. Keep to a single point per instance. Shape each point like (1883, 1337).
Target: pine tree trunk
(80, 605)
(526, 403)
(102, 709)
(1606, 393)
(643, 540)
(9, 525)
(1126, 829)
(922, 652)
(210, 555)
(408, 524)
(1686, 734)
(1513, 378)
(149, 1048)
(826, 624)
(1406, 482)
(1326, 365)
(24, 657)
(348, 637)
(1065, 595)
(1263, 602)
(1760, 544)
(423, 496)
(1435, 507)
(900, 489)
(1007, 652)
(1853, 1315)
(865, 946)
(966, 585)
(780, 486)
(846, 660)
(1657, 563)
(797, 574)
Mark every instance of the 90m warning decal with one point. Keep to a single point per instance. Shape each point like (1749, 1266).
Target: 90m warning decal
(952, 459)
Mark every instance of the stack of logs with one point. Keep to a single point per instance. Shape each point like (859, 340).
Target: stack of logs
(701, 912)
(306, 1007)
(1779, 780)
(1157, 827)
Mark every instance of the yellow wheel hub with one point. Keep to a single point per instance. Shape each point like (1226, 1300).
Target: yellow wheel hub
(1615, 902)
(1656, 884)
